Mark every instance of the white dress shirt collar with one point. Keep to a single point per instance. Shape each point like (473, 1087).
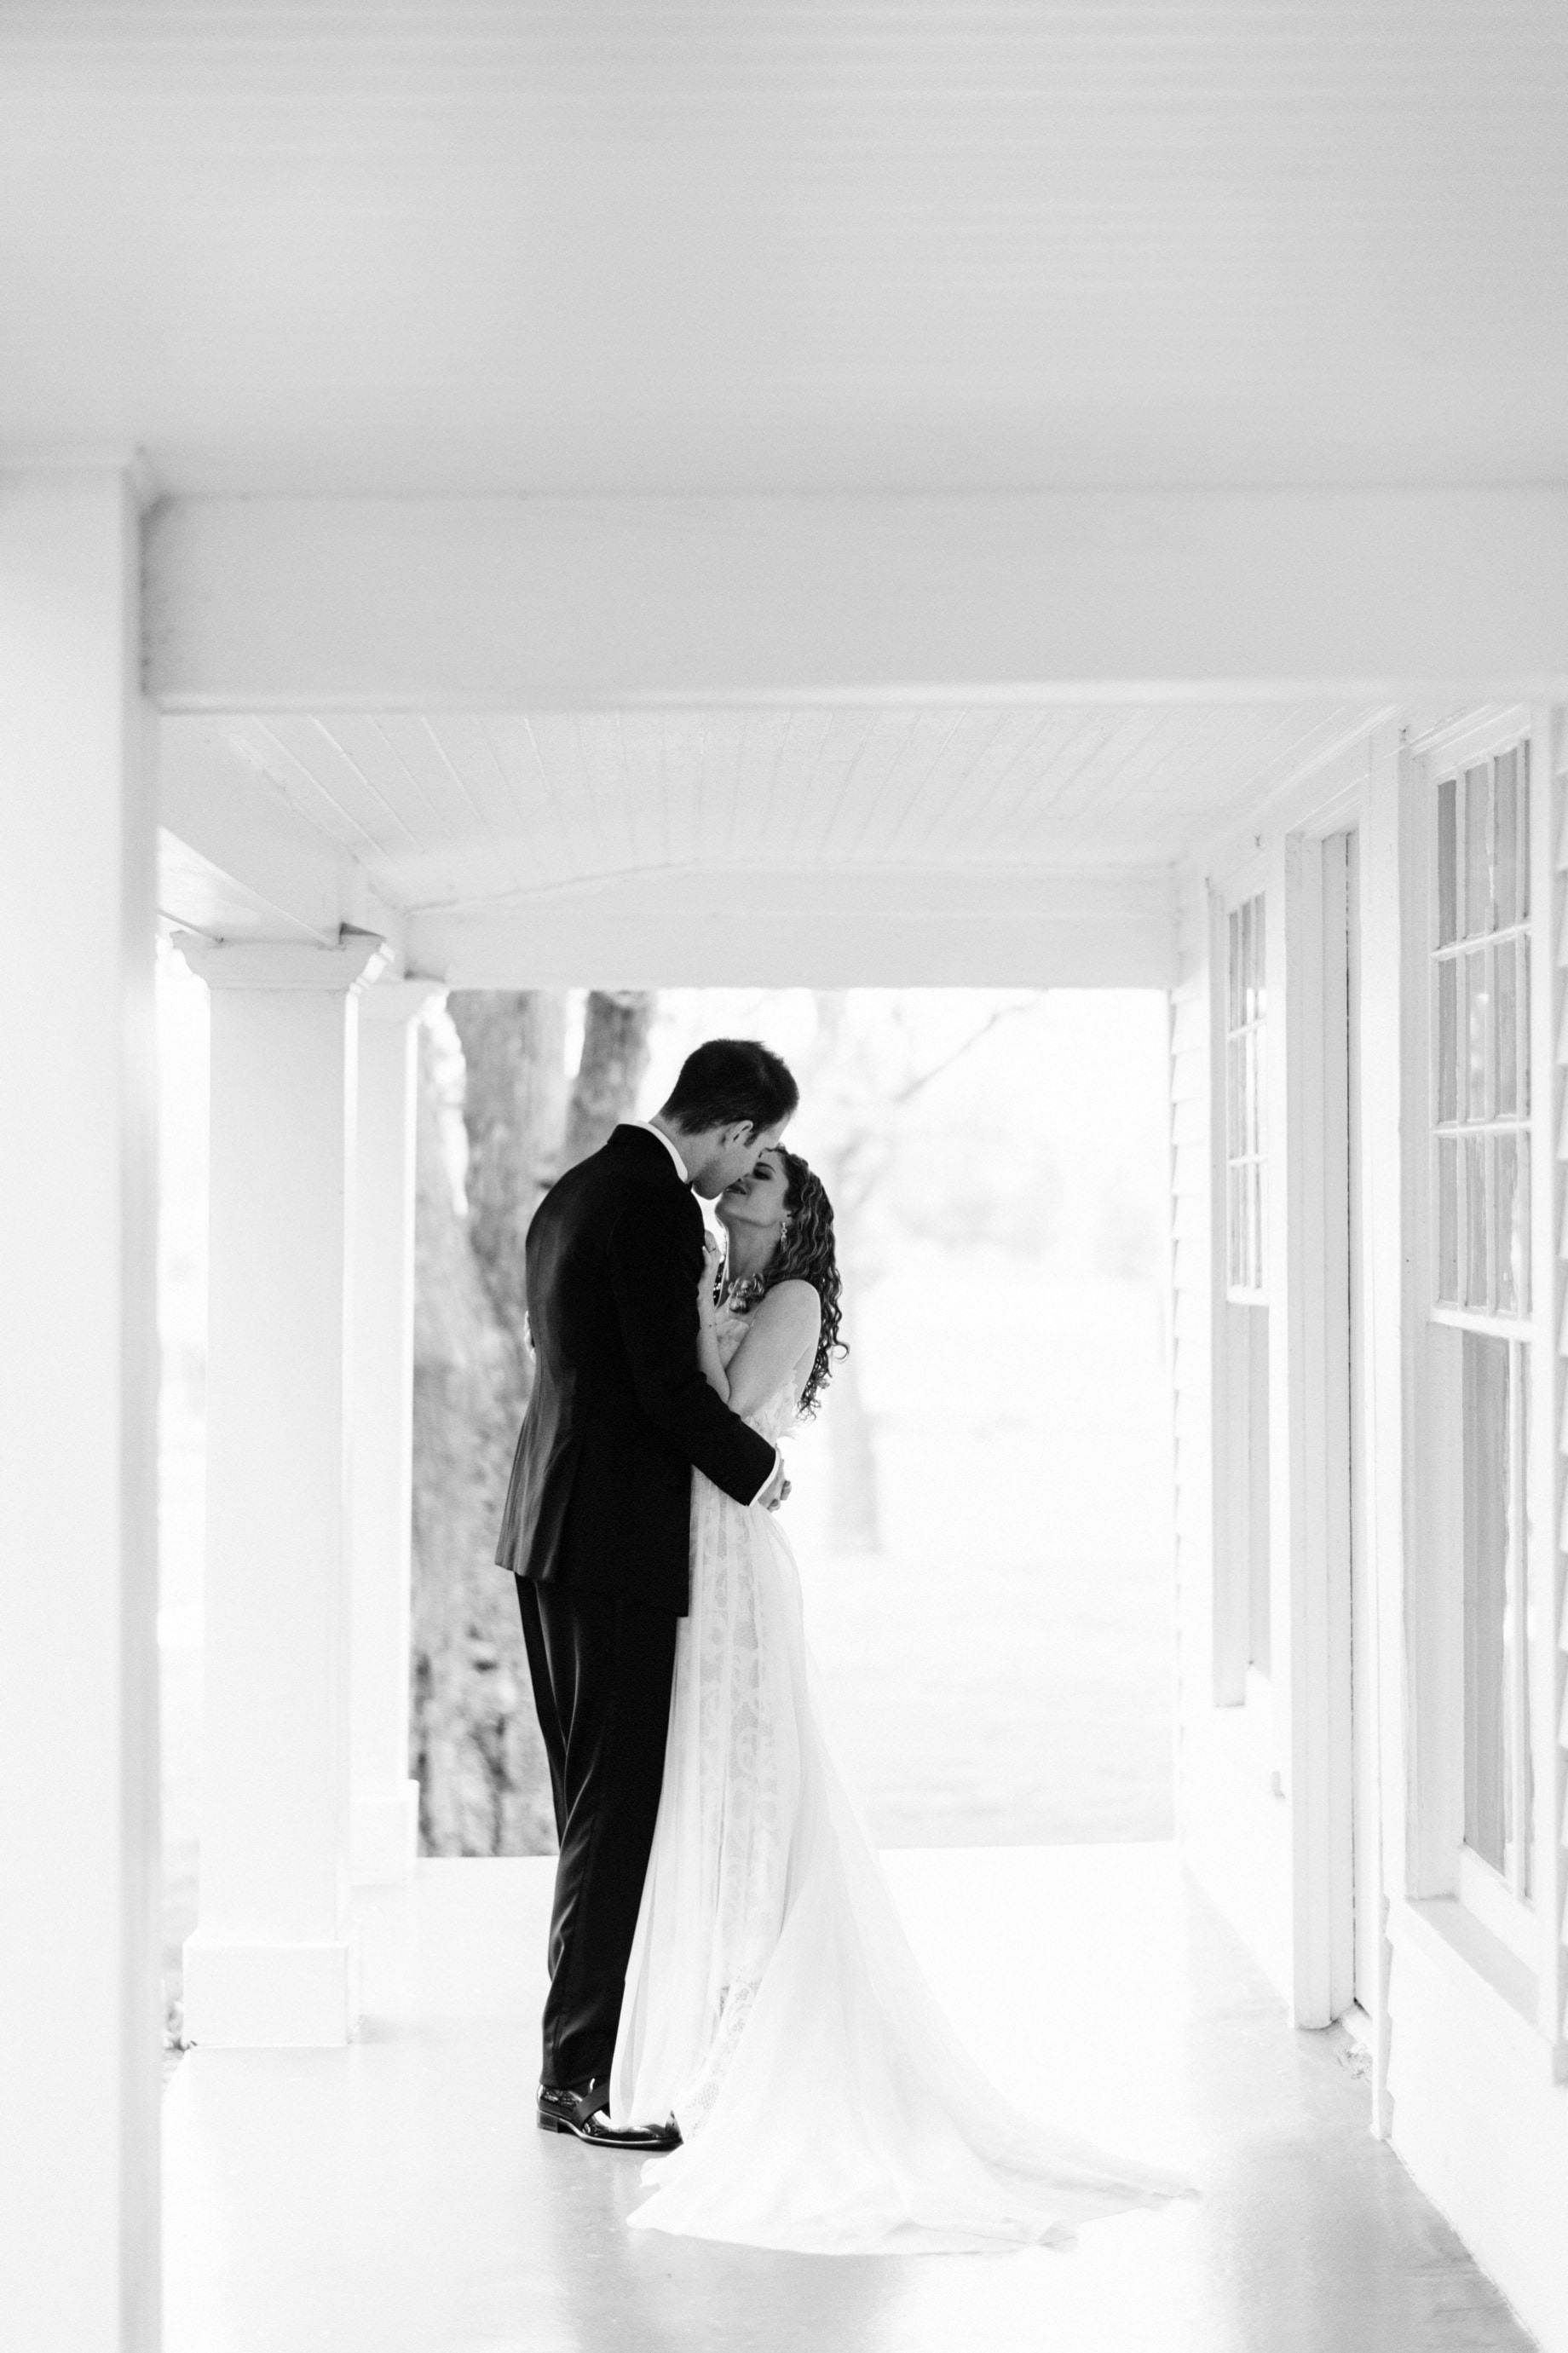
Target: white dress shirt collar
(669, 1145)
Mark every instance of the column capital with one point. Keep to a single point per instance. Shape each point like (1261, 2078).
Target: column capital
(400, 1000)
(277, 963)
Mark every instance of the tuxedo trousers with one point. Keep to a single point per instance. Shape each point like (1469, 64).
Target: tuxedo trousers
(602, 1669)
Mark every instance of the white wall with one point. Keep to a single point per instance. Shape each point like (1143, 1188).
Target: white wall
(1468, 2050)
(1478, 2067)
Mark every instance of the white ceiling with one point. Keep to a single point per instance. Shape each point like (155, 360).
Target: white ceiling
(463, 812)
(787, 244)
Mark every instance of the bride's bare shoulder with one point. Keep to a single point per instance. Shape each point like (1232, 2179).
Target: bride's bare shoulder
(793, 1301)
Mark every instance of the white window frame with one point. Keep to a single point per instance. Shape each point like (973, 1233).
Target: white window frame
(1245, 1295)
(1460, 1128)
(1500, 1908)
(1238, 1681)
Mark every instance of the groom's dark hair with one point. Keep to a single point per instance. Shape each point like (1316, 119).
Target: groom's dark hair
(727, 1079)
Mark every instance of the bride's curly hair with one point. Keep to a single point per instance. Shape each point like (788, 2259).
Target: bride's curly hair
(805, 1254)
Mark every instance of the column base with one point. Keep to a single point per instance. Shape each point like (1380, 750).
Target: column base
(384, 1837)
(249, 1996)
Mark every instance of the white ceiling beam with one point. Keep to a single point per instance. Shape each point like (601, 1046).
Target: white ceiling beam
(438, 605)
(209, 901)
(839, 928)
(235, 861)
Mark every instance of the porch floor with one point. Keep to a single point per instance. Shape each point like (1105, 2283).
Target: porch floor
(395, 2197)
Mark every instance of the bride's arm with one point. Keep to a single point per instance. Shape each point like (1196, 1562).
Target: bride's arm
(781, 1330)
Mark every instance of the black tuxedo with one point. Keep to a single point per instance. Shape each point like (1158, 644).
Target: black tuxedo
(600, 1498)
(596, 1531)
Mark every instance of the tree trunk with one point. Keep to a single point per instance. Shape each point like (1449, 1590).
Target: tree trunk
(484, 1782)
(514, 1108)
(614, 1056)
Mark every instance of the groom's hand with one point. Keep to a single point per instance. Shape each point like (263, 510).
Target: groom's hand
(777, 1488)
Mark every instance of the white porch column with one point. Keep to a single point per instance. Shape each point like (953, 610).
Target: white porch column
(273, 1958)
(385, 1801)
(80, 2003)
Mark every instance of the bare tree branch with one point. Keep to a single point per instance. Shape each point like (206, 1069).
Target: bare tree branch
(906, 1093)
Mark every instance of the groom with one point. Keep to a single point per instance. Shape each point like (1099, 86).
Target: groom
(597, 1520)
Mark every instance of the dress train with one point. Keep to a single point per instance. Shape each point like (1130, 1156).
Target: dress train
(773, 2003)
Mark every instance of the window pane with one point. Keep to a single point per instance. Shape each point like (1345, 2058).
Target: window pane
(1505, 1195)
(1477, 1291)
(1257, 959)
(1478, 1007)
(1255, 1343)
(1505, 1084)
(1521, 1019)
(1505, 801)
(1232, 1227)
(1233, 973)
(1517, 1238)
(1247, 961)
(1448, 1039)
(1447, 859)
(1234, 1065)
(1260, 1223)
(1254, 1089)
(1478, 873)
(1488, 1495)
(1260, 1089)
(1448, 1220)
(1524, 832)
(1254, 1225)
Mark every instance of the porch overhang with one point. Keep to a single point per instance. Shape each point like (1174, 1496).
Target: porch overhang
(278, 603)
(825, 928)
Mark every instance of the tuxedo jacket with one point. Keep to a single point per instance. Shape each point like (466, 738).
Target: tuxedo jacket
(600, 1496)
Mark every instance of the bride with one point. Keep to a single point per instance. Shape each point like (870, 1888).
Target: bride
(773, 2005)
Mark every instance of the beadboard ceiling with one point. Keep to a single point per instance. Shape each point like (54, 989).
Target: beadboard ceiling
(457, 812)
(643, 245)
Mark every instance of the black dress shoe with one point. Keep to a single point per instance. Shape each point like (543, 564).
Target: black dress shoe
(586, 2115)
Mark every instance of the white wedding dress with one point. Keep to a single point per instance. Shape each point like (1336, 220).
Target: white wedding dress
(772, 2004)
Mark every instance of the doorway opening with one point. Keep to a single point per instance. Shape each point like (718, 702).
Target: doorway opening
(981, 1509)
